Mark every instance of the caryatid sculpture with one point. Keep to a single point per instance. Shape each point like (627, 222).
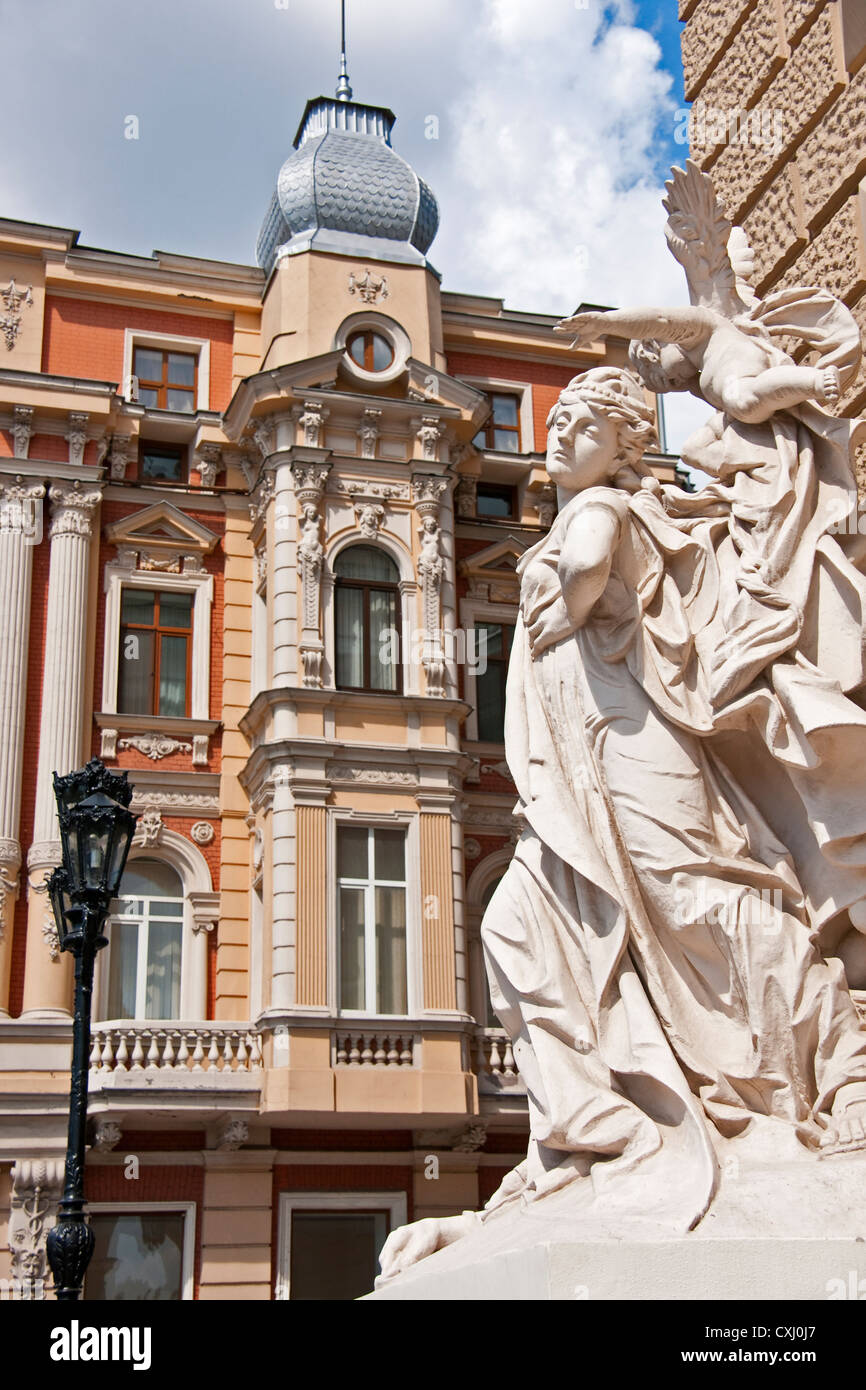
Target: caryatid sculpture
(686, 732)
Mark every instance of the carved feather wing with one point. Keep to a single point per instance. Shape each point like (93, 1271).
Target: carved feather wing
(700, 237)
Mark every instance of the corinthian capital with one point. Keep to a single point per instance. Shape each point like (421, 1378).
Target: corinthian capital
(21, 508)
(72, 510)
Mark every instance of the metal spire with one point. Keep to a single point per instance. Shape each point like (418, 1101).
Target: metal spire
(344, 91)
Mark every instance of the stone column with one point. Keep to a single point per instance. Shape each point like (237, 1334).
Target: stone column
(20, 530)
(47, 987)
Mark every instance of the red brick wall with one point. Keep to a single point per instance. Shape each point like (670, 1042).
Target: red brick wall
(547, 380)
(84, 338)
(164, 1184)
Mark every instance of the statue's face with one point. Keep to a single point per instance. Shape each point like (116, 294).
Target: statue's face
(582, 447)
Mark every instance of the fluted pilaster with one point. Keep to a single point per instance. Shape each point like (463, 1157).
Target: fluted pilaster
(61, 729)
(20, 529)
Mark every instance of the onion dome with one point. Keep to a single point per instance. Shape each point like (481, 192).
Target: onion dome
(345, 190)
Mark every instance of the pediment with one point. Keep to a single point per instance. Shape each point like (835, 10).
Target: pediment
(497, 561)
(438, 388)
(162, 527)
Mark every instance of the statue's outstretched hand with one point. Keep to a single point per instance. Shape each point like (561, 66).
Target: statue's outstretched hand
(409, 1244)
(584, 327)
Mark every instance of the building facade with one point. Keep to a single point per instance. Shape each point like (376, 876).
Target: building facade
(258, 534)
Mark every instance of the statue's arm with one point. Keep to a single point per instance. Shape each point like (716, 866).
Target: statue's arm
(688, 326)
(586, 559)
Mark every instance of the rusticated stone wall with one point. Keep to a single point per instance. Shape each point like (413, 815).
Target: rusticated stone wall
(778, 93)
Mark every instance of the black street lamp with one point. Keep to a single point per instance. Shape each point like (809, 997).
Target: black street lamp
(96, 830)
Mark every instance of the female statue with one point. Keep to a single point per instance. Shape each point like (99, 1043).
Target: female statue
(664, 947)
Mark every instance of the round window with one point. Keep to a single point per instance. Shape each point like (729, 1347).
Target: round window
(370, 350)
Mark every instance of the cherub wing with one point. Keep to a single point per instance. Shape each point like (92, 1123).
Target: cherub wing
(716, 257)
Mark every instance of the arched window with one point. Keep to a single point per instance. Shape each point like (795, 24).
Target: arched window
(367, 602)
(145, 940)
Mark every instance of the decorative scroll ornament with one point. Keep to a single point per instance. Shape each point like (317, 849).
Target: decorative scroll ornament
(429, 433)
(22, 429)
(465, 497)
(106, 1135)
(371, 287)
(119, 455)
(262, 494)
(155, 746)
(76, 437)
(545, 505)
(232, 1133)
(150, 827)
(209, 463)
(10, 322)
(36, 1185)
(263, 434)
(368, 433)
(312, 419)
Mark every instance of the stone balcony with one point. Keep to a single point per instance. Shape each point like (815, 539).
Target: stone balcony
(167, 1055)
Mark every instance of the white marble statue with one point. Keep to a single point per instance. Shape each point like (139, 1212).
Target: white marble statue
(685, 732)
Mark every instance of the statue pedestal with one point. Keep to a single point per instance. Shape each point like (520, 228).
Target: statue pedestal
(790, 1229)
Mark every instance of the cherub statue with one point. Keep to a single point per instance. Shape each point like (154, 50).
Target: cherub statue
(724, 346)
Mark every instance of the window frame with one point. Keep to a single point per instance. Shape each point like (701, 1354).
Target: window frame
(143, 936)
(201, 905)
(395, 1203)
(116, 577)
(165, 384)
(169, 342)
(502, 661)
(492, 425)
(502, 488)
(188, 1209)
(159, 631)
(163, 446)
(474, 611)
(383, 820)
(368, 333)
(367, 585)
(369, 886)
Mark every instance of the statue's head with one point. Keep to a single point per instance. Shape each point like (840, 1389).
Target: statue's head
(599, 430)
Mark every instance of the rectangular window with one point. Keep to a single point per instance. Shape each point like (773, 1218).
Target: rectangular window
(493, 640)
(162, 463)
(137, 1257)
(502, 431)
(155, 652)
(166, 380)
(371, 888)
(495, 501)
(335, 1254)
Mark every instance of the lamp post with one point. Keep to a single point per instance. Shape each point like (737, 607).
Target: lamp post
(96, 830)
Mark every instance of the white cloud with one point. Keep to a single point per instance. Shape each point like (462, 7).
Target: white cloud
(551, 197)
